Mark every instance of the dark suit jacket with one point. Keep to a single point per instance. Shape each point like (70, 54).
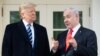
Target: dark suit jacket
(86, 40)
(16, 42)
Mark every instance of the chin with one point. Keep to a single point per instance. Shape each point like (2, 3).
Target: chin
(69, 27)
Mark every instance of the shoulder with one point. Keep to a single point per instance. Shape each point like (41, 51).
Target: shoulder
(11, 26)
(39, 26)
(62, 34)
(87, 30)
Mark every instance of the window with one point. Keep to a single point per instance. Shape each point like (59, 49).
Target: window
(15, 17)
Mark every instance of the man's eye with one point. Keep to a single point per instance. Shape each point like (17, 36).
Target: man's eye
(68, 16)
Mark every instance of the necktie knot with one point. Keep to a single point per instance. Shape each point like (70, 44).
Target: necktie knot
(70, 31)
(28, 25)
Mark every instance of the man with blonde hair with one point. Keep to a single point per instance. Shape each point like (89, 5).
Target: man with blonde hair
(25, 38)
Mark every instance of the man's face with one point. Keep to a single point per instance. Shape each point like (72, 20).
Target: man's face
(70, 19)
(29, 14)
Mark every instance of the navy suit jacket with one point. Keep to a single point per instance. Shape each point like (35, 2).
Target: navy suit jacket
(86, 41)
(16, 42)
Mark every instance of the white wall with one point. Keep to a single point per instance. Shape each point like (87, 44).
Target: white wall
(48, 1)
(96, 20)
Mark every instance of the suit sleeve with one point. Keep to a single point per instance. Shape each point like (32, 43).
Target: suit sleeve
(6, 45)
(91, 46)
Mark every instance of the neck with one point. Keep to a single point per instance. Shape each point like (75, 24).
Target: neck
(29, 21)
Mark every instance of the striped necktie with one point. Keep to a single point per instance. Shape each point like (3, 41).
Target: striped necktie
(29, 31)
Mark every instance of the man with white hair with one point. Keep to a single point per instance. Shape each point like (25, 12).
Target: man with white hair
(77, 40)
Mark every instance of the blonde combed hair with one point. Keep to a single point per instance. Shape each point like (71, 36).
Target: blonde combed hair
(26, 6)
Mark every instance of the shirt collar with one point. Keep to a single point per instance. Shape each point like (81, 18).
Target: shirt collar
(76, 28)
(26, 23)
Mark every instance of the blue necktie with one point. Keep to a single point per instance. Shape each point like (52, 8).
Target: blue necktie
(29, 31)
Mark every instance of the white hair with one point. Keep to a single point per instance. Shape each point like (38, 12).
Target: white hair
(74, 10)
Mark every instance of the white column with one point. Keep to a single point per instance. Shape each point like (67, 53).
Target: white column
(96, 20)
(1, 35)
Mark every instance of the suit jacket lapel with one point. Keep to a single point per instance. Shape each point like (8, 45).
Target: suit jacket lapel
(35, 35)
(23, 31)
(63, 40)
(78, 34)
(65, 36)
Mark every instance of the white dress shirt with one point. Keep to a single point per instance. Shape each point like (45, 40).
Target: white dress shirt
(75, 29)
(32, 28)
